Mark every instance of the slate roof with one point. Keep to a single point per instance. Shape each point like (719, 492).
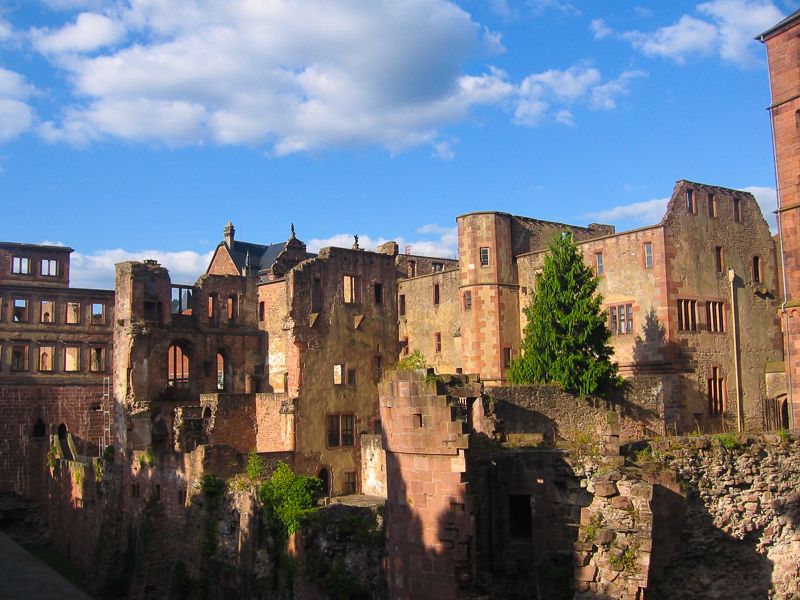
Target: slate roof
(787, 21)
(261, 257)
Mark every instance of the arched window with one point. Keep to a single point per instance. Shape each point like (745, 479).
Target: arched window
(757, 275)
(221, 379)
(178, 367)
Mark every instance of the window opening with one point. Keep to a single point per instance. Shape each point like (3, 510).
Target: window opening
(484, 256)
(712, 206)
(411, 268)
(45, 358)
(378, 293)
(506, 357)
(72, 359)
(98, 313)
(73, 313)
(436, 293)
(220, 371)
(20, 310)
(325, 478)
(177, 367)
(349, 486)
(437, 267)
(719, 259)
(598, 261)
(468, 300)
(261, 309)
(233, 307)
(716, 392)
(756, 269)
(620, 319)
(341, 430)
(212, 307)
(338, 374)
(39, 429)
(378, 368)
(352, 289)
(520, 519)
(648, 255)
(437, 342)
(20, 265)
(417, 420)
(687, 315)
(316, 295)
(401, 304)
(737, 210)
(19, 358)
(49, 267)
(714, 317)
(351, 376)
(690, 201)
(47, 312)
(181, 300)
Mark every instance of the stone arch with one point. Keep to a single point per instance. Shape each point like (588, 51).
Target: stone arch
(179, 354)
(324, 475)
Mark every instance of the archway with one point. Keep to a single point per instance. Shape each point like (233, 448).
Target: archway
(325, 477)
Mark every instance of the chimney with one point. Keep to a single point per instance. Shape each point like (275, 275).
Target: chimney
(229, 233)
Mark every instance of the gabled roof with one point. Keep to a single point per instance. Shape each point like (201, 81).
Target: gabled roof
(261, 257)
(775, 29)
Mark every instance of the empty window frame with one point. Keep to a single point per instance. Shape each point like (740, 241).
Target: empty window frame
(436, 295)
(316, 295)
(437, 267)
(404, 345)
(48, 267)
(352, 289)
(719, 259)
(338, 374)
(712, 206)
(45, 358)
(467, 300)
(212, 307)
(715, 316)
(690, 205)
(181, 300)
(221, 373)
(757, 275)
(484, 257)
(152, 311)
(261, 310)
(19, 357)
(401, 304)
(598, 263)
(351, 376)
(72, 359)
(437, 342)
(377, 367)
(737, 210)
(349, 483)
(98, 313)
(687, 315)
(620, 319)
(20, 314)
(340, 430)
(648, 255)
(520, 517)
(232, 307)
(97, 359)
(47, 311)
(20, 265)
(411, 268)
(378, 293)
(716, 392)
(506, 357)
(177, 367)
(73, 313)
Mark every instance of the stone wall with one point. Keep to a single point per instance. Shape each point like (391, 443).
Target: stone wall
(373, 466)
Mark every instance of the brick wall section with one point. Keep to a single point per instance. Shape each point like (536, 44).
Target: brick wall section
(274, 423)
(233, 420)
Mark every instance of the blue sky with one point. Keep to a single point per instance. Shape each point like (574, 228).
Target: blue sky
(138, 128)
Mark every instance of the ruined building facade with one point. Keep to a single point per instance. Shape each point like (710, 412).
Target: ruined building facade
(782, 42)
(55, 356)
(686, 299)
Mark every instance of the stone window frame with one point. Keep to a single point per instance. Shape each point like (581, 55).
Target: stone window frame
(20, 265)
(66, 312)
(687, 315)
(715, 316)
(66, 353)
(621, 319)
(42, 346)
(507, 357)
(349, 482)
(340, 429)
(103, 364)
(437, 342)
(467, 300)
(691, 204)
(647, 255)
(15, 366)
(716, 391)
(437, 294)
(401, 305)
(758, 270)
(484, 256)
(98, 318)
(181, 377)
(52, 313)
(51, 269)
(26, 317)
(737, 210)
(599, 266)
(712, 205)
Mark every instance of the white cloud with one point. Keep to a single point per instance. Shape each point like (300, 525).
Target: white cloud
(97, 270)
(444, 150)
(726, 29)
(599, 29)
(767, 199)
(90, 32)
(16, 116)
(553, 92)
(5, 30)
(444, 244)
(647, 212)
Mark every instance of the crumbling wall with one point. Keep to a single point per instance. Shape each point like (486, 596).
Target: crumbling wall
(373, 465)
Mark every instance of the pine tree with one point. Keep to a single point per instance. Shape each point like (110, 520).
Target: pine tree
(566, 339)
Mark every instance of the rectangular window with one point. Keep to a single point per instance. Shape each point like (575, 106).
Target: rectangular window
(49, 267)
(737, 210)
(152, 311)
(212, 306)
(404, 346)
(506, 357)
(348, 430)
(690, 206)
(73, 316)
(598, 262)
(401, 304)
(378, 368)
(181, 300)
(687, 315)
(648, 255)
(620, 319)
(19, 358)
(45, 358)
(716, 392)
(467, 300)
(20, 265)
(756, 269)
(261, 310)
(333, 430)
(520, 519)
(98, 313)
(437, 267)
(316, 295)
(351, 376)
(338, 374)
(436, 293)
(349, 486)
(437, 342)
(712, 206)
(411, 268)
(378, 293)
(72, 359)
(97, 359)
(484, 257)
(719, 259)
(417, 420)
(352, 289)
(341, 430)
(20, 310)
(47, 311)
(714, 317)
(233, 303)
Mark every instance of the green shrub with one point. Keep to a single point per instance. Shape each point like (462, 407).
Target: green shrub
(784, 435)
(729, 440)
(289, 499)
(212, 488)
(590, 533)
(147, 459)
(256, 469)
(413, 361)
(52, 457)
(625, 559)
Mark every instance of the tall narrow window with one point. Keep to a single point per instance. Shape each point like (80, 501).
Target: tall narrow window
(436, 293)
(349, 484)
(20, 314)
(411, 268)
(351, 376)
(177, 367)
(212, 307)
(714, 316)
(338, 374)
(719, 259)
(20, 265)
(716, 392)
(347, 430)
(401, 304)
(690, 207)
(687, 315)
(47, 311)
(467, 300)
(378, 368)
(316, 295)
(378, 288)
(220, 371)
(333, 430)
(712, 206)
(506, 357)
(261, 310)
(48, 267)
(437, 342)
(46, 358)
(72, 359)
(520, 520)
(73, 310)
(648, 255)
(737, 210)
(97, 359)
(181, 300)
(598, 263)
(19, 358)
(484, 254)
(233, 308)
(756, 269)
(98, 313)
(351, 289)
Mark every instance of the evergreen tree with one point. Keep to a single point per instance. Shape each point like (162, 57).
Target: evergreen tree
(566, 339)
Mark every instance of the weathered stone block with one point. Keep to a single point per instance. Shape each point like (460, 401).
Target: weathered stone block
(605, 488)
